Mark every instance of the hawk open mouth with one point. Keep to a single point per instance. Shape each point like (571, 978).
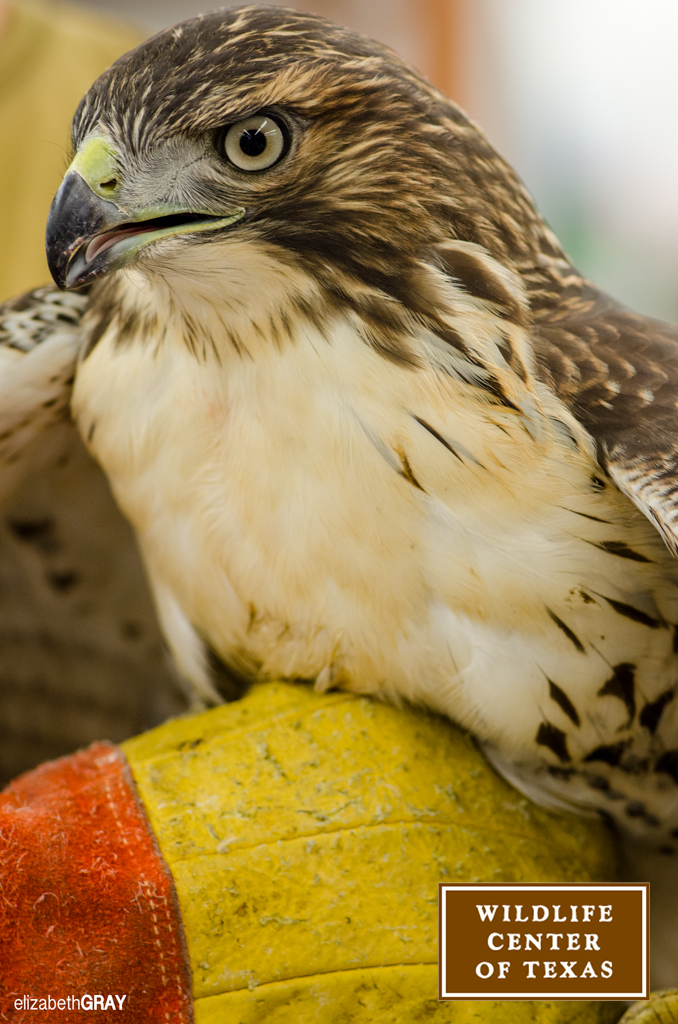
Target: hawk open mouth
(89, 236)
(159, 226)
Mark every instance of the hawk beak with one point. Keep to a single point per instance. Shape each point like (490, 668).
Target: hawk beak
(75, 218)
(90, 232)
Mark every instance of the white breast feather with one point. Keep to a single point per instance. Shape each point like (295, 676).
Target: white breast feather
(266, 491)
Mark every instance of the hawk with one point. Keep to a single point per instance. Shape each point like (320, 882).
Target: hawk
(370, 425)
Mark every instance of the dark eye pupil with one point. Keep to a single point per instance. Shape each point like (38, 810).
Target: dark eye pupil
(253, 142)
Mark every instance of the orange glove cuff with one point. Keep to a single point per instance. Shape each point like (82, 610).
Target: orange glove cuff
(87, 903)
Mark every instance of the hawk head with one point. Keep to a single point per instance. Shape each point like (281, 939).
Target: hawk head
(273, 128)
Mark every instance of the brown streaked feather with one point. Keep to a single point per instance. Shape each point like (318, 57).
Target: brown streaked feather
(617, 371)
(81, 655)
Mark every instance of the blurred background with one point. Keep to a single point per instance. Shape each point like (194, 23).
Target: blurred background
(580, 97)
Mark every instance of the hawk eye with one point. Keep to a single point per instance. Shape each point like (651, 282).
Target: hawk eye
(254, 144)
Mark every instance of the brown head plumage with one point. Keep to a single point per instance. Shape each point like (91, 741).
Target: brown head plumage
(383, 171)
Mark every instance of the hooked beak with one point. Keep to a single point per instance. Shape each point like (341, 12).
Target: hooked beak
(90, 234)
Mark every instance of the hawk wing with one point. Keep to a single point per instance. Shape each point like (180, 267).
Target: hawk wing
(617, 372)
(38, 349)
(81, 655)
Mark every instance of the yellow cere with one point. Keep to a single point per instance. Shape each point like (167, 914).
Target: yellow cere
(96, 162)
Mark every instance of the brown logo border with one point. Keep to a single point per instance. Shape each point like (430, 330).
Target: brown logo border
(644, 887)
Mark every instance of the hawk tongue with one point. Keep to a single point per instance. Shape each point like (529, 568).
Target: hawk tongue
(104, 241)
